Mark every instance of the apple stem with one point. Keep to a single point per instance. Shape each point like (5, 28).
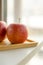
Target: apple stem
(19, 20)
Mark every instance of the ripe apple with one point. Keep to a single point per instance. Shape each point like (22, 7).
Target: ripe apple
(17, 33)
(2, 30)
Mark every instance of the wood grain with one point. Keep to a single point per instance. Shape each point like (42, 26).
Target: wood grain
(27, 44)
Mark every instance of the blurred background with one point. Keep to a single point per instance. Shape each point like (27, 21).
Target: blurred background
(30, 12)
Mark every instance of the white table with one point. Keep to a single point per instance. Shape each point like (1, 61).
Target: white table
(12, 57)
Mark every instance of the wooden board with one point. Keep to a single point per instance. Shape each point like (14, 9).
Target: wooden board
(9, 46)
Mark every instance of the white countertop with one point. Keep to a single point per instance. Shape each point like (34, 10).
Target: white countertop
(12, 57)
(37, 59)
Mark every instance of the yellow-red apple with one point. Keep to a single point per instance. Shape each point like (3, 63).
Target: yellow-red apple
(17, 33)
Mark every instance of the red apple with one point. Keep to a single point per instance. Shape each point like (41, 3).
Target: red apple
(2, 30)
(17, 33)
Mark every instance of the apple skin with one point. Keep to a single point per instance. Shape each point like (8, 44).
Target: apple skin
(2, 30)
(17, 33)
